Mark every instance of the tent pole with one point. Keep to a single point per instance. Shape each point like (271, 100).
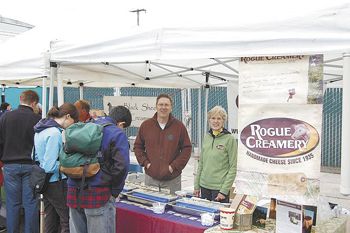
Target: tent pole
(81, 91)
(345, 146)
(60, 97)
(3, 93)
(183, 105)
(206, 110)
(44, 98)
(189, 109)
(53, 75)
(199, 119)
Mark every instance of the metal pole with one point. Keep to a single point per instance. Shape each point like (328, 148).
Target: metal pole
(53, 75)
(206, 110)
(44, 93)
(60, 93)
(183, 106)
(199, 119)
(81, 91)
(345, 148)
(3, 99)
(137, 11)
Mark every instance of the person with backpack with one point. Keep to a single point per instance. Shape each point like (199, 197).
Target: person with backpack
(48, 144)
(92, 202)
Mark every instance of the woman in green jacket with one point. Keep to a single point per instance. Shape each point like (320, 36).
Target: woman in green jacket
(218, 161)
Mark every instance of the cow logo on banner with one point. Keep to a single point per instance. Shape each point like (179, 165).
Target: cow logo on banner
(285, 139)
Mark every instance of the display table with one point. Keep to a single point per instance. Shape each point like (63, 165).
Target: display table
(136, 218)
(334, 225)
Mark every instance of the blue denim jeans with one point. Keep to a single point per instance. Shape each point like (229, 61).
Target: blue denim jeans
(18, 194)
(93, 220)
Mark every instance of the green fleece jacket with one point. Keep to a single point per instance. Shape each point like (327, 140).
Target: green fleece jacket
(218, 162)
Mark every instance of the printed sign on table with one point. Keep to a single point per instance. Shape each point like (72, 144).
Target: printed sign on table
(289, 218)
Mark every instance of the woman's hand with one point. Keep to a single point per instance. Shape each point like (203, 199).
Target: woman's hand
(220, 197)
(196, 193)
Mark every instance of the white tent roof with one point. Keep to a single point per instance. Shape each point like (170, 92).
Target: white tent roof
(179, 57)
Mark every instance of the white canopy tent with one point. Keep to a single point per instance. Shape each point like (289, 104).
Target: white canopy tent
(98, 58)
(185, 57)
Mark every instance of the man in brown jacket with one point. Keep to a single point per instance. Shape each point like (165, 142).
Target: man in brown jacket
(163, 147)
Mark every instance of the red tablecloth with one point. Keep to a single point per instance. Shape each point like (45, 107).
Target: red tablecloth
(133, 219)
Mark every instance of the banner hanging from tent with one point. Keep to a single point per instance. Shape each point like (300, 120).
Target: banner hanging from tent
(279, 145)
(141, 108)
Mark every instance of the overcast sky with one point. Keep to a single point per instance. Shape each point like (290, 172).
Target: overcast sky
(160, 12)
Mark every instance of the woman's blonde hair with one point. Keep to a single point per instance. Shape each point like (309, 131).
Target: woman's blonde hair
(217, 110)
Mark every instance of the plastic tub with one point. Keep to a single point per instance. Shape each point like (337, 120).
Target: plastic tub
(158, 207)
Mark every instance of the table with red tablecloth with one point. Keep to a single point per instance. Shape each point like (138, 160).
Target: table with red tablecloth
(138, 219)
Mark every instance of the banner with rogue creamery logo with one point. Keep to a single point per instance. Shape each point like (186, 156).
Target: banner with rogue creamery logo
(279, 145)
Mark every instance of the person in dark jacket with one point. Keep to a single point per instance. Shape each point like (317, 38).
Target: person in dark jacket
(93, 208)
(163, 147)
(48, 143)
(2, 227)
(16, 145)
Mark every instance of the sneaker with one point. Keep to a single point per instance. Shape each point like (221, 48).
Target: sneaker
(2, 228)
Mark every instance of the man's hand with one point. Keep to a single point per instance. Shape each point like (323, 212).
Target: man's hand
(148, 165)
(171, 169)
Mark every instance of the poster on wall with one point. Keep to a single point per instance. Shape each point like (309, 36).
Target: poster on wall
(280, 116)
(141, 108)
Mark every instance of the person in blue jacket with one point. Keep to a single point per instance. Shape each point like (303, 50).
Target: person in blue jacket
(48, 143)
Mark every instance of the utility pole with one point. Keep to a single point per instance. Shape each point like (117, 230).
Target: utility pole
(138, 14)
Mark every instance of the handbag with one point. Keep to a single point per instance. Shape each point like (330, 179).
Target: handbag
(39, 179)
